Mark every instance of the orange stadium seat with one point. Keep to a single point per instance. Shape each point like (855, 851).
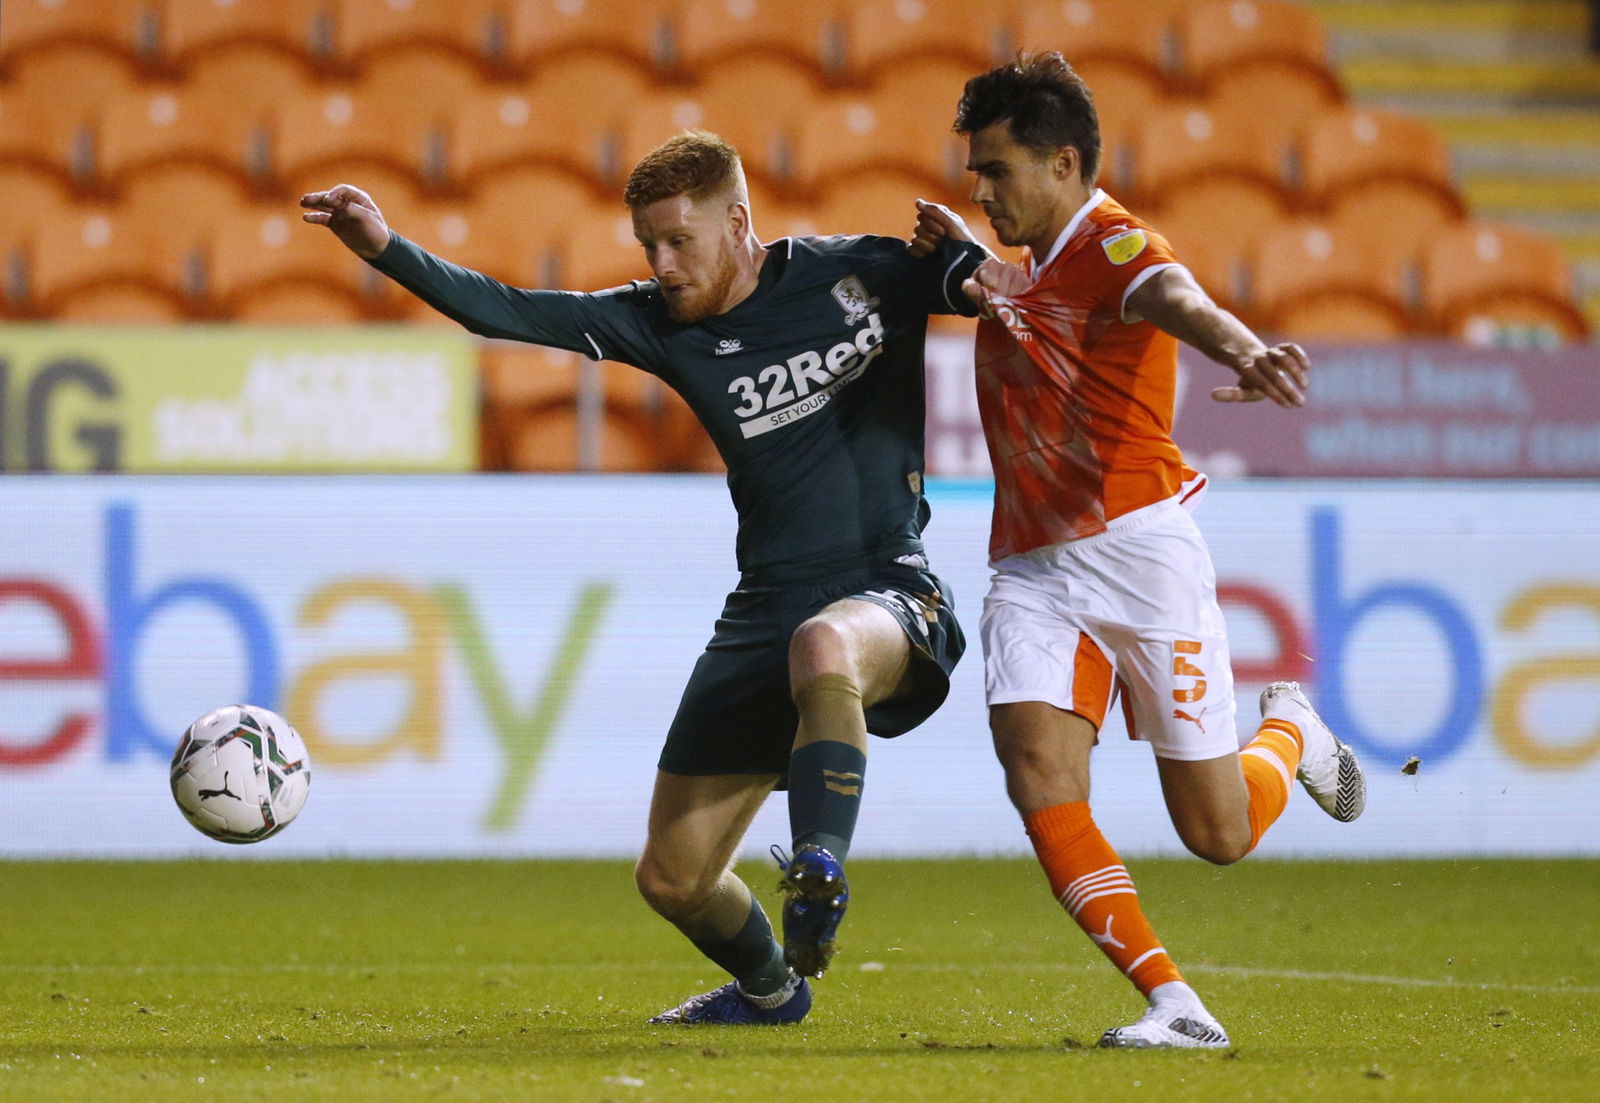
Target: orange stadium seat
(1218, 261)
(365, 29)
(27, 137)
(127, 28)
(890, 129)
(557, 437)
(757, 102)
(67, 90)
(1224, 36)
(245, 84)
(34, 199)
(522, 376)
(875, 203)
(525, 214)
(1477, 276)
(266, 248)
(636, 30)
(569, 115)
(1190, 161)
(762, 134)
(775, 218)
(516, 252)
(107, 263)
(299, 29)
(1295, 97)
(293, 302)
(708, 32)
(1320, 280)
(1373, 165)
(169, 125)
(599, 250)
(880, 32)
(1109, 33)
(417, 77)
(349, 126)
(667, 111)
(195, 201)
(1122, 95)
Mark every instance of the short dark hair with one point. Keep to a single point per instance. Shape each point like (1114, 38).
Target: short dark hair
(1047, 104)
(695, 163)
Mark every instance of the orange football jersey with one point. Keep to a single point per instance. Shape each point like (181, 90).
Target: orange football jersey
(1077, 404)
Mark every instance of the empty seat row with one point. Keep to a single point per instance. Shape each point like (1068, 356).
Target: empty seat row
(188, 244)
(450, 132)
(1193, 40)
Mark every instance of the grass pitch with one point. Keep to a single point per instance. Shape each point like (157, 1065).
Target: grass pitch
(956, 981)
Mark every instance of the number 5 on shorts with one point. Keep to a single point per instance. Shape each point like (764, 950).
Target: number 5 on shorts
(1183, 668)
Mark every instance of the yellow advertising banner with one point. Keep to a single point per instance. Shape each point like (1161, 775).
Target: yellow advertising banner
(237, 399)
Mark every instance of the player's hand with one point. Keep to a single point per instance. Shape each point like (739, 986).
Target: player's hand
(1280, 372)
(992, 279)
(935, 223)
(353, 217)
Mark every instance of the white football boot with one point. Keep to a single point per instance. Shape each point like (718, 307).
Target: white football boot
(1176, 1020)
(1328, 768)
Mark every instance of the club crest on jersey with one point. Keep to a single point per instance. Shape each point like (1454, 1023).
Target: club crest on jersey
(1123, 247)
(851, 294)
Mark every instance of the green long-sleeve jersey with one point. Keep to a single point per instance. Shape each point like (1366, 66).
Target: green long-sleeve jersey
(811, 387)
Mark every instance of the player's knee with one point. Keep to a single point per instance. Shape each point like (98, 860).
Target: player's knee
(1220, 846)
(818, 647)
(671, 893)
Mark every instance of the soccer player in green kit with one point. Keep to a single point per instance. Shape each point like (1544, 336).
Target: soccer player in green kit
(803, 358)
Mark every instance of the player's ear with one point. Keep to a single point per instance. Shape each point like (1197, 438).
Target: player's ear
(739, 220)
(1068, 162)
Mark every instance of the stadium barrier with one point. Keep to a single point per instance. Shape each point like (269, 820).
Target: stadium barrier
(486, 666)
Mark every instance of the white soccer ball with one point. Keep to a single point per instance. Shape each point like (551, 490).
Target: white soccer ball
(241, 773)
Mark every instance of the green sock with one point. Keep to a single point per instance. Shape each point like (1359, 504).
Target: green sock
(752, 956)
(825, 780)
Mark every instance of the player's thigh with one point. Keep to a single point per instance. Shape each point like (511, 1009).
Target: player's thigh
(1044, 751)
(1170, 645)
(859, 639)
(913, 644)
(695, 826)
(1209, 805)
(1037, 646)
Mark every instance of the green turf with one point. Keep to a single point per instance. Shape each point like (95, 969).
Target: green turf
(356, 981)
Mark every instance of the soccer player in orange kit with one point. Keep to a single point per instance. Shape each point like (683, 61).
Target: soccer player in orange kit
(1102, 582)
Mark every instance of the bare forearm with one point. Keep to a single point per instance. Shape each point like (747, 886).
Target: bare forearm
(1172, 301)
(1193, 318)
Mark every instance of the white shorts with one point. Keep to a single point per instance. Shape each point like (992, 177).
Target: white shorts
(1131, 610)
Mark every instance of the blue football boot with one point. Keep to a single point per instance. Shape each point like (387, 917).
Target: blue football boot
(816, 895)
(731, 1007)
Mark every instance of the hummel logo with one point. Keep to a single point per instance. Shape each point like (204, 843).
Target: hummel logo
(207, 794)
(1107, 939)
(1197, 721)
(727, 345)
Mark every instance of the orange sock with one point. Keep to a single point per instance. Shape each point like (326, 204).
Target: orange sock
(1269, 762)
(1093, 885)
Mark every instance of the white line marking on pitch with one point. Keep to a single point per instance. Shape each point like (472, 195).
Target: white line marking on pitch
(392, 969)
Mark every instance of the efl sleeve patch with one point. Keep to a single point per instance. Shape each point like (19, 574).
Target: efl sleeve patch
(1123, 247)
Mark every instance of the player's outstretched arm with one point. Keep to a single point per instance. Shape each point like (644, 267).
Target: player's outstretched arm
(1173, 301)
(352, 216)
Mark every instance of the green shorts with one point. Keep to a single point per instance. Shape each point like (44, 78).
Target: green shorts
(737, 716)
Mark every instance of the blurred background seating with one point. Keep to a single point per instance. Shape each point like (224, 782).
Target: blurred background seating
(1356, 170)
